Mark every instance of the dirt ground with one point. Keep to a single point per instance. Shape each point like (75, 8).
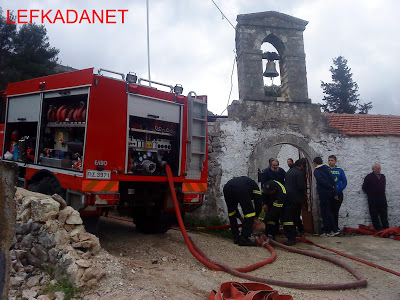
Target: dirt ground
(150, 267)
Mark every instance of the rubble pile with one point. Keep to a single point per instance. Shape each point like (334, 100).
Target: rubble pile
(50, 239)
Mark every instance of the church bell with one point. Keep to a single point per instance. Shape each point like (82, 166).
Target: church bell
(270, 70)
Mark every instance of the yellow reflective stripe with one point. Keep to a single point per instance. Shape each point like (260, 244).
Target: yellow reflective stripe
(281, 185)
(253, 214)
(287, 223)
(232, 213)
(277, 205)
(256, 192)
(271, 222)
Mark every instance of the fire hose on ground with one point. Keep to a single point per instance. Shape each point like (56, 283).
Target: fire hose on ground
(240, 272)
(307, 241)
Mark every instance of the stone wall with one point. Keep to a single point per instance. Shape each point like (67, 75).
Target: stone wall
(241, 144)
(49, 236)
(8, 172)
(285, 33)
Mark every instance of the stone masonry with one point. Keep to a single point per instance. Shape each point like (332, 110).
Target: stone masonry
(239, 146)
(49, 236)
(8, 176)
(285, 33)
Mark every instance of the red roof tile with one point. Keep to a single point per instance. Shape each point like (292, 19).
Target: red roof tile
(365, 124)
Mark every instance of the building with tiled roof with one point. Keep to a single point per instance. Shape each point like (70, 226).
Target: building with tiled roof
(365, 125)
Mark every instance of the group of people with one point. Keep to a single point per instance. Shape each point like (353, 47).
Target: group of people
(282, 197)
(331, 181)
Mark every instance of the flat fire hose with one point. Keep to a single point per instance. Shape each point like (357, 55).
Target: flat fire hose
(393, 232)
(246, 291)
(303, 239)
(361, 281)
(362, 230)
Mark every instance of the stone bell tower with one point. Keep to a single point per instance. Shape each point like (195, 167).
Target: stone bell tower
(285, 33)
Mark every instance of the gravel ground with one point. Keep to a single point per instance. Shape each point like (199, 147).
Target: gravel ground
(150, 267)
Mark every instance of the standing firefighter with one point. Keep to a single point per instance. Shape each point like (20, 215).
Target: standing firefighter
(241, 190)
(295, 187)
(279, 207)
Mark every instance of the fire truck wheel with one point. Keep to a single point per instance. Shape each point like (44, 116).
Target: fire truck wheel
(91, 223)
(153, 225)
(34, 187)
(48, 186)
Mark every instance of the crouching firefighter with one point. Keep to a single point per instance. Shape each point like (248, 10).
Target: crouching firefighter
(279, 207)
(242, 190)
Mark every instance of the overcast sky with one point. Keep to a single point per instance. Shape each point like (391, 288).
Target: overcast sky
(191, 44)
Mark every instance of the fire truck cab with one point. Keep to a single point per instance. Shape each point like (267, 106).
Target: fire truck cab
(100, 142)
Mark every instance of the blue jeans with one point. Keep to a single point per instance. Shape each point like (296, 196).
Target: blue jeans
(328, 218)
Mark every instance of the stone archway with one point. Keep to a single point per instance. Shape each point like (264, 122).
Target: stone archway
(258, 159)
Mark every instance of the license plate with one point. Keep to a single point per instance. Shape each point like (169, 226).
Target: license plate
(93, 174)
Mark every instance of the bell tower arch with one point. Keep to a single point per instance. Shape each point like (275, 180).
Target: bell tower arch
(285, 33)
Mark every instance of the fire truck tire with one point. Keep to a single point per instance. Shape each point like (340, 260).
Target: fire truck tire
(48, 186)
(34, 187)
(154, 225)
(91, 223)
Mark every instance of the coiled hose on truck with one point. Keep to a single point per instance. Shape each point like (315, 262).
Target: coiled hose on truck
(240, 272)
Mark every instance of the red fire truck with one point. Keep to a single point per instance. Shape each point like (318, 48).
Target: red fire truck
(101, 142)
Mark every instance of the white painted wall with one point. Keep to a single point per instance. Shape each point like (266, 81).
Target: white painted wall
(355, 155)
(287, 151)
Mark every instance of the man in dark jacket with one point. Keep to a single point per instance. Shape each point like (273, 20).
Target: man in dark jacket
(326, 188)
(295, 187)
(274, 172)
(241, 190)
(290, 163)
(374, 186)
(279, 207)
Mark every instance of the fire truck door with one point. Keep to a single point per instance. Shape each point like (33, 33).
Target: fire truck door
(197, 127)
(154, 135)
(24, 108)
(153, 109)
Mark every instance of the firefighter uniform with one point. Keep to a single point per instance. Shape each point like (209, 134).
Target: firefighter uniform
(295, 186)
(278, 208)
(242, 190)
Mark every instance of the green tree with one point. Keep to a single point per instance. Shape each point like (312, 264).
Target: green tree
(342, 96)
(7, 35)
(25, 52)
(33, 54)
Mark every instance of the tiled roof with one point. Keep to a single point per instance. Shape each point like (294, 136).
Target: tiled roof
(365, 124)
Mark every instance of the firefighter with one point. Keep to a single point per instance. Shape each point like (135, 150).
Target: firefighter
(242, 190)
(295, 187)
(279, 208)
